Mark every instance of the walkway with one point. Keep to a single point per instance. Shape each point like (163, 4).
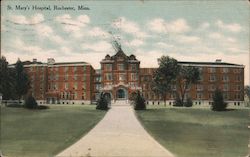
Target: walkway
(118, 134)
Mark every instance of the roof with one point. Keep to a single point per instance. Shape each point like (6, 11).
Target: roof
(61, 63)
(210, 63)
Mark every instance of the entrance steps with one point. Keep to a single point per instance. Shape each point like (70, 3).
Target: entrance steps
(120, 103)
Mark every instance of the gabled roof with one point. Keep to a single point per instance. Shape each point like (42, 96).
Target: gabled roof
(119, 53)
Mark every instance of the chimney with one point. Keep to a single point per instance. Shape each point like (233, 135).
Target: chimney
(34, 60)
(218, 60)
(51, 61)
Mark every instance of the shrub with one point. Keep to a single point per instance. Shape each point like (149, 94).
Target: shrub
(188, 103)
(30, 102)
(102, 103)
(177, 101)
(218, 101)
(42, 107)
(139, 102)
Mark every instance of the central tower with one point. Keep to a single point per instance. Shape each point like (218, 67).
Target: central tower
(120, 75)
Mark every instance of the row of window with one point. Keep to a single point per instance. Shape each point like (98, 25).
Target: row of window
(66, 77)
(109, 67)
(72, 96)
(150, 95)
(200, 87)
(65, 69)
(223, 70)
(55, 86)
(224, 78)
(121, 77)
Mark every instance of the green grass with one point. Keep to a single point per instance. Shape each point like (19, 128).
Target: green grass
(198, 132)
(44, 133)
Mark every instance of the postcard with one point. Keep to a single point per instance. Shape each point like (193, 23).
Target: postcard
(115, 78)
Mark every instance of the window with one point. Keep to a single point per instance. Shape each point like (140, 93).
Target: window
(120, 66)
(133, 67)
(84, 78)
(75, 85)
(134, 77)
(225, 95)
(199, 87)
(121, 77)
(97, 86)
(212, 70)
(210, 95)
(66, 77)
(225, 78)
(98, 79)
(75, 95)
(75, 69)
(237, 96)
(237, 70)
(57, 77)
(84, 68)
(75, 77)
(108, 76)
(238, 87)
(225, 70)
(199, 95)
(42, 77)
(238, 78)
(66, 86)
(200, 77)
(108, 67)
(84, 86)
(211, 87)
(66, 69)
(225, 87)
(212, 78)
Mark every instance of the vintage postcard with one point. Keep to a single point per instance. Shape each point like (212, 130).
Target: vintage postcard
(117, 78)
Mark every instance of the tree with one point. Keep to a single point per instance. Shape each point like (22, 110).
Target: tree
(139, 102)
(247, 92)
(218, 101)
(165, 75)
(187, 76)
(22, 81)
(30, 102)
(7, 80)
(102, 102)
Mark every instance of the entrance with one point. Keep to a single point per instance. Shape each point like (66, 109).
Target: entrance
(121, 94)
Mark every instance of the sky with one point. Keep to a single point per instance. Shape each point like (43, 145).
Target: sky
(197, 30)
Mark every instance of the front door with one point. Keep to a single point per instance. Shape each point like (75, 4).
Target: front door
(121, 94)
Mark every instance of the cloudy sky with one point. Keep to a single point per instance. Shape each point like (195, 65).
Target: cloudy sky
(198, 30)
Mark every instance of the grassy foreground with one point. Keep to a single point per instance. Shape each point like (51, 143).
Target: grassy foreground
(44, 133)
(197, 132)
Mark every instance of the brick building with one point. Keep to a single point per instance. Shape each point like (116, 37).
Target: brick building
(120, 76)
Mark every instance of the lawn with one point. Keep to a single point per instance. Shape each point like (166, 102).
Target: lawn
(198, 132)
(44, 133)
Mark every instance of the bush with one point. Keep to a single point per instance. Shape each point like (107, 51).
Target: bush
(188, 103)
(42, 107)
(218, 101)
(177, 101)
(139, 102)
(102, 103)
(30, 102)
